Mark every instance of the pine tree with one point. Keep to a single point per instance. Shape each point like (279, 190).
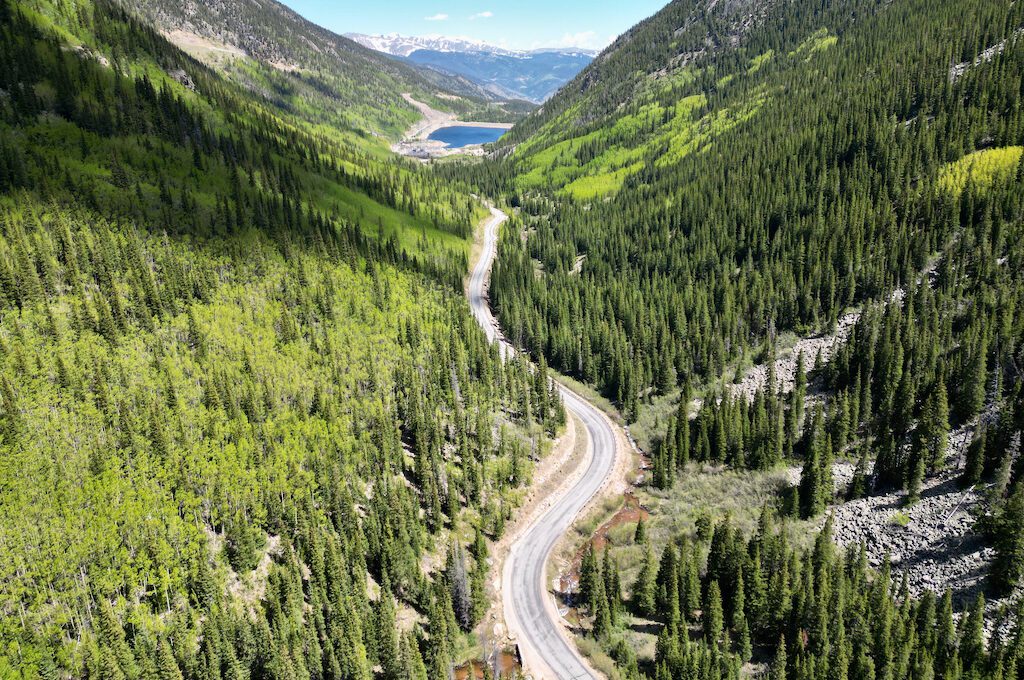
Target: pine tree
(841, 421)
(810, 484)
(1008, 539)
(816, 484)
(682, 429)
(689, 588)
(744, 644)
(945, 647)
(242, 545)
(975, 381)
(440, 666)
(443, 628)
(411, 662)
(109, 668)
(612, 585)
(645, 588)
(478, 590)
(859, 484)
(737, 615)
(387, 638)
(602, 613)
(204, 586)
(112, 638)
(713, 620)
(917, 469)
(11, 421)
(972, 643)
(936, 426)
(167, 667)
(667, 579)
(589, 579)
(458, 583)
(1001, 480)
(778, 667)
(800, 388)
(975, 460)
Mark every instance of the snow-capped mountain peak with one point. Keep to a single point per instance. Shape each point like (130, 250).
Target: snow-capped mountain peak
(531, 75)
(402, 46)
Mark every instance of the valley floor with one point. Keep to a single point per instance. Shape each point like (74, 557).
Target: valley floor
(416, 142)
(593, 469)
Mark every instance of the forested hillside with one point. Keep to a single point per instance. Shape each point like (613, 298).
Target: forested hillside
(729, 178)
(249, 429)
(765, 186)
(313, 72)
(246, 420)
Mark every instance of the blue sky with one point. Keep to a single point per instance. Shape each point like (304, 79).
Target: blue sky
(514, 24)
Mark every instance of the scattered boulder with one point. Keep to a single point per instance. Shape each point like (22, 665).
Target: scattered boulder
(934, 541)
(184, 78)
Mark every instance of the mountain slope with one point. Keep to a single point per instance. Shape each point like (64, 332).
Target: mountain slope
(292, 58)
(402, 46)
(727, 98)
(726, 183)
(244, 408)
(668, 42)
(533, 75)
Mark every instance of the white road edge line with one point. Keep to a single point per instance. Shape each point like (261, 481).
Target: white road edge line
(531, 613)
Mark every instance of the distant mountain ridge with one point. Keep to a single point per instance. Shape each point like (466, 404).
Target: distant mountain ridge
(402, 46)
(534, 75)
(298, 56)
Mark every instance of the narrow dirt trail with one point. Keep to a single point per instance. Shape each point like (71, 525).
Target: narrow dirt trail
(531, 614)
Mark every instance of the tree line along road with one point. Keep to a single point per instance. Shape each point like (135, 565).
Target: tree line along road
(530, 610)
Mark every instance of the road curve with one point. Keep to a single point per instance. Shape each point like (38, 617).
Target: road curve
(530, 610)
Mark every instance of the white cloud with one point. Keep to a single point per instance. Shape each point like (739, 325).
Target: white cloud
(482, 15)
(436, 17)
(584, 40)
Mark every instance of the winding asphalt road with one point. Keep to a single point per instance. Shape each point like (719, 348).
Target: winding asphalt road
(530, 610)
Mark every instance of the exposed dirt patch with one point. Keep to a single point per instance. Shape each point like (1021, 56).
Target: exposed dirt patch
(406, 618)
(246, 588)
(630, 513)
(568, 580)
(503, 664)
(204, 49)
(577, 266)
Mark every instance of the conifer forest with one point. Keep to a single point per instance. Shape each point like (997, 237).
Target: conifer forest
(252, 428)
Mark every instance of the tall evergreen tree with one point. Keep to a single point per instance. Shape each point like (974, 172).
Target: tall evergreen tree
(645, 588)
(712, 614)
(1008, 530)
(590, 579)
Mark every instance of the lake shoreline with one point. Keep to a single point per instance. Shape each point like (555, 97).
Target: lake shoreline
(425, 133)
(416, 142)
(466, 136)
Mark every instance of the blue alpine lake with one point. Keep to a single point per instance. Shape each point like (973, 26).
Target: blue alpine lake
(463, 135)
